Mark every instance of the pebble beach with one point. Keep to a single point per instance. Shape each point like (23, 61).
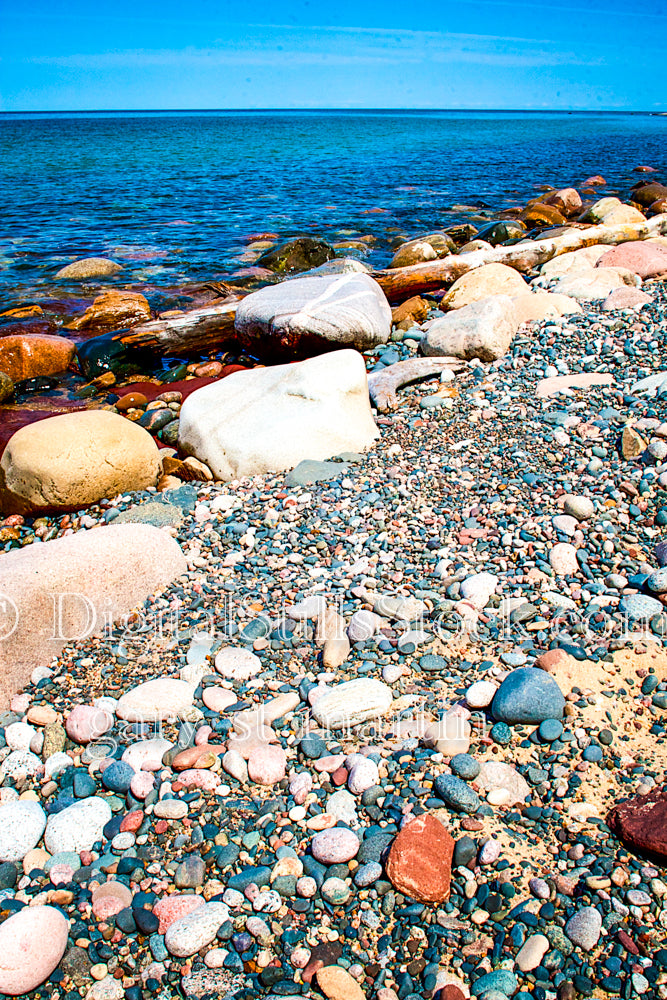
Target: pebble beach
(333, 652)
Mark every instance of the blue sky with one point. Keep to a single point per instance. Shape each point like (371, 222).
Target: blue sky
(602, 54)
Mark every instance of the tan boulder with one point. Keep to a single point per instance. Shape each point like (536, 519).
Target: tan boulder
(612, 212)
(423, 248)
(337, 984)
(541, 214)
(567, 200)
(531, 306)
(113, 310)
(595, 283)
(576, 260)
(480, 283)
(89, 267)
(483, 329)
(28, 355)
(73, 460)
(414, 309)
(68, 588)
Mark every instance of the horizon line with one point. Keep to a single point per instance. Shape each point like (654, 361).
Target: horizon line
(359, 110)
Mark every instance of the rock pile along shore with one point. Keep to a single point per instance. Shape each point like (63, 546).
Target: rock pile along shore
(356, 686)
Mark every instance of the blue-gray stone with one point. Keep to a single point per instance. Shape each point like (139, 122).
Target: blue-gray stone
(640, 606)
(657, 582)
(550, 730)
(367, 874)
(117, 776)
(528, 695)
(456, 793)
(465, 766)
(502, 980)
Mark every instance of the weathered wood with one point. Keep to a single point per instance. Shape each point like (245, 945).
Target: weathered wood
(401, 282)
(188, 333)
(383, 385)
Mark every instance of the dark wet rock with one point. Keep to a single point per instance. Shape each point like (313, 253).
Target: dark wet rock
(296, 255)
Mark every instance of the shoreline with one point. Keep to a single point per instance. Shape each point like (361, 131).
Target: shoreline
(486, 572)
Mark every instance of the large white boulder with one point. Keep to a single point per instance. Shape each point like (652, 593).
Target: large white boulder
(312, 314)
(270, 419)
(70, 588)
(483, 329)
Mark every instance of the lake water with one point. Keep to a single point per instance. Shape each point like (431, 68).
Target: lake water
(175, 196)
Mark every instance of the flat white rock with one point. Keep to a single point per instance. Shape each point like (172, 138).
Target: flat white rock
(160, 700)
(352, 702)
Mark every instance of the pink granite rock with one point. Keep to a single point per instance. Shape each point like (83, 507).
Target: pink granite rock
(267, 765)
(172, 908)
(648, 260)
(86, 723)
(199, 778)
(142, 784)
(32, 942)
(584, 380)
(218, 698)
(109, 899)
(626, 298)
(335, 846)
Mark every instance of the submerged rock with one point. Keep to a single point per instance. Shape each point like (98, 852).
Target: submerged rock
(112, 310)
(89, 267)
(300, 254)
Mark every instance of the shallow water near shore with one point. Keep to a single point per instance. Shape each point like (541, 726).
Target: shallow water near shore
(174, 197)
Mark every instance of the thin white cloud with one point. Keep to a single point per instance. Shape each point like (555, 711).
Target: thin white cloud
(285, 46)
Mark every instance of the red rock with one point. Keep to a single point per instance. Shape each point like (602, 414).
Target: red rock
(450, 992)
(595, 181)
(132, 821)
(648, 260)
(420, 860)
(174, 907)
(29, 355)
(131, 401)
(552, 659)
(641, 822)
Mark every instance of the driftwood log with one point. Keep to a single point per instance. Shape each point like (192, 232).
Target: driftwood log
(400, 283)
(382, 386)
(193, 331)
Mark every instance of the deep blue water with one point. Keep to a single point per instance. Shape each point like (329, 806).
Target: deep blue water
(175, 196)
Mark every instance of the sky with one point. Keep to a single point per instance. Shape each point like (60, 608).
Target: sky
(168, 54)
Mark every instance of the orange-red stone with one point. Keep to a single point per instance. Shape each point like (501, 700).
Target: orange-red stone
(420, 860)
